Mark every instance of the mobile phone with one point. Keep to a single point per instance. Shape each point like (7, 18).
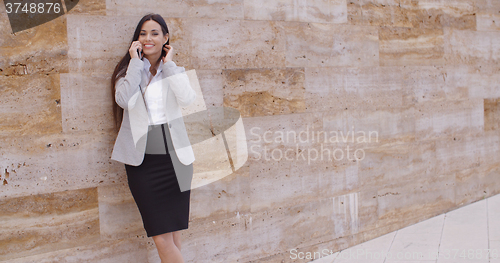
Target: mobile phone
(139, 53)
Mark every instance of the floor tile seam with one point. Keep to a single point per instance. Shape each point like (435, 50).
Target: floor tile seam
(392, 242)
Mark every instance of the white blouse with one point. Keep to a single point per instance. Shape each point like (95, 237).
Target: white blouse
(153, 95)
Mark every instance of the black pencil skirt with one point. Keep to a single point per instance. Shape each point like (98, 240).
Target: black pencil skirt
(163, 206)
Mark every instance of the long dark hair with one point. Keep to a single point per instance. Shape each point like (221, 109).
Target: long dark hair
(121, 67)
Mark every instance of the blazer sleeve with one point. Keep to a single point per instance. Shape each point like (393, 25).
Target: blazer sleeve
(127, 87)
(178, 81)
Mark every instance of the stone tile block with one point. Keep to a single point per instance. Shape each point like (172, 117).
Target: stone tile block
(427, 195)
(42, 49)
(93, 48)
(401, 46)
(488, 22)
(228, 44)
(491, 114)
(119, 217)
(89, 7)
(489, 148)
(433, 84)
(298, 182)
(379, 13)
(271, 229)
(455, 154)
(204, 240)
(48, 222)
(31, 105)
(475, 184)
(482, 81)
(487, 15)
(47, 163)
(286, 10)
(397, 163)
(330, 45)
(87, 102)
(371, 127)
(468, 186)
(224, 198)
(459, 14)
(219, 9)
(476, 48)
(356, 88)
(270, 177)
(260, 92)
(430, 14)
(132, 8)
(449, 119)
(212, 84)
(125, 250)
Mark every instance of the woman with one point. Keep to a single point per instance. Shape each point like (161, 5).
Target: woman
(150, 88)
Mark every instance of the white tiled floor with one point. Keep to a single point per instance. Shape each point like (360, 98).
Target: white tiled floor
(467, 234)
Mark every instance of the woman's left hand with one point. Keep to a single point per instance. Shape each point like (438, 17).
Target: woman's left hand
(169, 49)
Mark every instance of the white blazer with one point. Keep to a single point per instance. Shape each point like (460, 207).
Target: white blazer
(130, 144)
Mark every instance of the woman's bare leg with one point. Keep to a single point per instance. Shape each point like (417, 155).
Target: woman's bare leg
(177, 239)
(168, 251)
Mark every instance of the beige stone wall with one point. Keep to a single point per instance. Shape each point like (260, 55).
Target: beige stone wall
(423, 74)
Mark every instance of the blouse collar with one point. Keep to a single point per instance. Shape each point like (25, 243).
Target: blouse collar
(147, 65)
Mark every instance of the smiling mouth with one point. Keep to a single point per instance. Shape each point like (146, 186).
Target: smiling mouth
(149, 46)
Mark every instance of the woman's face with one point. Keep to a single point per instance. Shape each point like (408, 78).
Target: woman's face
(152, 38)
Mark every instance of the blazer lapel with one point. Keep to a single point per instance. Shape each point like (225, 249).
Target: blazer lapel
(139, 118)
(164, 92)
(144, 79)
(144, 84)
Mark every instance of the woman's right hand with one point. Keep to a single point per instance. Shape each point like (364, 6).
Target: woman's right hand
(135, 47)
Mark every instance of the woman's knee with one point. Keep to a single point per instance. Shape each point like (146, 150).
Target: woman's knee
(164, 239)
